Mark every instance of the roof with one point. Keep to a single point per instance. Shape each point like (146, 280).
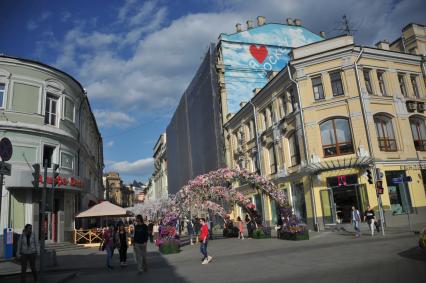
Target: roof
(103, 209)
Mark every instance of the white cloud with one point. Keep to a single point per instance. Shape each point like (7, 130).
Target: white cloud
(110, 143)
(141, 167)
(34, 23)
(109, 119)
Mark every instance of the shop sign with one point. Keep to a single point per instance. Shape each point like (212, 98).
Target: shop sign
(62, 181)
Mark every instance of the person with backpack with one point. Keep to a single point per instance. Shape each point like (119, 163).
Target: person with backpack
(28, 249)
(139, 240)
(356, 219)
(204, 233)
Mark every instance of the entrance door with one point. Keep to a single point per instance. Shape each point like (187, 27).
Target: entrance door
(344, 198)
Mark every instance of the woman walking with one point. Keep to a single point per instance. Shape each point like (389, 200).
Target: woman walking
(28, 249)
(108, 245)
(370, 217)
(156, 230)
(240, 228)
(123, 236)
(249, 226)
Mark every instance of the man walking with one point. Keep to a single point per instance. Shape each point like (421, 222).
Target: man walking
(356, 218)
(140, 239)
(28, 249)
(203, 241)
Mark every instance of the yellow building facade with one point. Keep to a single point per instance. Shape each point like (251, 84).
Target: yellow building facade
(336, 115)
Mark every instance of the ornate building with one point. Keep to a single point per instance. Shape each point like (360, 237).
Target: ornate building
(116, 192)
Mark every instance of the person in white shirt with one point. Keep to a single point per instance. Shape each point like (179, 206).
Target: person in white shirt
(356, 219)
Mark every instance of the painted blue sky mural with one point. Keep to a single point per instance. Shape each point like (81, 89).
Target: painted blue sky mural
(250, 55)
(137, 57)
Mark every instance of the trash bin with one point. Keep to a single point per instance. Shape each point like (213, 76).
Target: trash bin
(8, 243)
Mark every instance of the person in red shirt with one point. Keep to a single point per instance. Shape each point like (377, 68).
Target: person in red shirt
(203, 241)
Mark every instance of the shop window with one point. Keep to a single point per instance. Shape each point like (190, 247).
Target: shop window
(299, 204)
(367, 79)
(381, 78)
(385, 133)
(317, 88)
(294, 150)
(402, 85)
(399, 195)
(336, 83)
(418, 129)
(336, 137)
(257, 199)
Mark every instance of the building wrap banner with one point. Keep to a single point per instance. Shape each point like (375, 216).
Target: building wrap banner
(250, 56)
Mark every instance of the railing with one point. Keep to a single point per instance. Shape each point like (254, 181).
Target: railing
(91, 236)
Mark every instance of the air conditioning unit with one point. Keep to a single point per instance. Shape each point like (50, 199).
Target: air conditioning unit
(421, 107)
(411, 106)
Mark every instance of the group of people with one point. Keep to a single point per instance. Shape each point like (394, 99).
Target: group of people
(369, 217)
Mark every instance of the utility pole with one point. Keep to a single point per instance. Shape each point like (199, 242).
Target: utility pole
(43, 228)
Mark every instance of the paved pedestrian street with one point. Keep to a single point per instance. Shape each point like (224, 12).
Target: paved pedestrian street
(326, 257)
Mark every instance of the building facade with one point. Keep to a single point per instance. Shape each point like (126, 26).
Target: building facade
(412, 40)
(337, 113)
(116, 192)
(158, 186)
(47, 116)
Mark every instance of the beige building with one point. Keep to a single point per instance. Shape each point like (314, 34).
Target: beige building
(158, 186)
(334, 115)
(412, 40)
(116, 192)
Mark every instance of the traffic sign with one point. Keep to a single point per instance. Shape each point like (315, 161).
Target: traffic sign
(398, 180)
(5, 168)
(6, 149)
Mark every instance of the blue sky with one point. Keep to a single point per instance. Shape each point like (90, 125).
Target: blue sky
(135, 58)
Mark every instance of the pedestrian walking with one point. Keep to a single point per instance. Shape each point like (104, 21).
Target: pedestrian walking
(197, 227)
(240, 228)
(139, 240)
(249, 225)
(371, 219)
(190, 229)
(204, 233)
(151, 231)
(108, 245)
(156, 230)
(356, 218)
(122, 245)
(28, 249)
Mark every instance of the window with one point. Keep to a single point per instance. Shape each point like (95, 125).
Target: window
(268, 117)
(293, 101)
(418, 130)
(67, 160)
(336, 137)
(317, 88)
(255, 165)
(282, 106)
(367, 79)
(415, 87)
(385, 134)
(272, 160)
(2, 87)
(336, 83)
(48, 155)
(402, 86)
(263, 120)
(50, 115)
(294, 150)
(251, 129)
(381, 78)
(69, 109)
(399, 196)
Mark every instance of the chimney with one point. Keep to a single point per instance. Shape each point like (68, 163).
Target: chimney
(297, 22)
(322, 34)
(242, 103)
(238, 27)
(256, 91)
(249, 24)
(383, 44)
(260, 21)
(289, 21)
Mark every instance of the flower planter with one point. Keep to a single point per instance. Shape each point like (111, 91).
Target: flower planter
(169, 247)
(294, 236)
(262, 233)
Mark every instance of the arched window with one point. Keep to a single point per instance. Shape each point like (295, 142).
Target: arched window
(385, 133)
(418, 129)
(336, 137)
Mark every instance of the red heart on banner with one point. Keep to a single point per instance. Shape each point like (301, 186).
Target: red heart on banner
(259, 53)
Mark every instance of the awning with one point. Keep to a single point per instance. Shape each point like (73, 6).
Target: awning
(104, 209)
(340, 163)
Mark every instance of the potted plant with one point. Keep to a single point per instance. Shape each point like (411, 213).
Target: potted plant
(291, 228)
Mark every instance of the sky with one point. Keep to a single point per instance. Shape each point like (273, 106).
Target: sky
(135, 58)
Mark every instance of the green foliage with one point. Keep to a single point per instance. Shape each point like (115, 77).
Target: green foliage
(169, 248)
(259, 234)
(422, 240)
(294, 236)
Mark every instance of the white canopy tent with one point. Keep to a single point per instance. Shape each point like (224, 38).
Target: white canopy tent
(103, 209)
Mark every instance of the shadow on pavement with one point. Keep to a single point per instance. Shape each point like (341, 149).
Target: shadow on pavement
(415, 253)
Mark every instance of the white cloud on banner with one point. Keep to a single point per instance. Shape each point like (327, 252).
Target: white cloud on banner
(141, 167)
(109, 119)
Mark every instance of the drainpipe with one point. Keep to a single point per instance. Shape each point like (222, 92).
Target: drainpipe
(367, 130)
(302, 119)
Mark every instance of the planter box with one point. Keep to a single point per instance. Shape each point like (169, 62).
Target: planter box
(262, 233)
(294, 237)
(169, 248)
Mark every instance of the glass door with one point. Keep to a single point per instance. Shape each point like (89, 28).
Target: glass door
(328, 210)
